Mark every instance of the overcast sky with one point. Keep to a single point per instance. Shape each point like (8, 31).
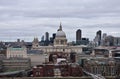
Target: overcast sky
(26, 19)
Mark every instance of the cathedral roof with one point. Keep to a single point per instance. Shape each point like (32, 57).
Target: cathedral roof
(60, 32)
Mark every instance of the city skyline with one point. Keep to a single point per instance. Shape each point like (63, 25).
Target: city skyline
(26, 19)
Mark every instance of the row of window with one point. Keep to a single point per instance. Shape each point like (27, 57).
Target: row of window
(61, 41)
(104, 70)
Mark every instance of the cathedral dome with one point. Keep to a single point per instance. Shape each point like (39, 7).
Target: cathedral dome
(60, 39)
(60, 34)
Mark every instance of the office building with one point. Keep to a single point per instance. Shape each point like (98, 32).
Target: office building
(97, 39)
(98, 34)
(46, 36)
(105, 67)
(78, 35)
(13, 64)
(17, 52)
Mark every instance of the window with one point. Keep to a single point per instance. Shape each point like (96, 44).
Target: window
(63, 49)
(62, 41)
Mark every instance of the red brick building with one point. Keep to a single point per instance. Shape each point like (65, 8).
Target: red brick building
(63, 69)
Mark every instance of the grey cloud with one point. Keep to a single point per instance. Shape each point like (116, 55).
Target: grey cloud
(26, 18)
(66, 8)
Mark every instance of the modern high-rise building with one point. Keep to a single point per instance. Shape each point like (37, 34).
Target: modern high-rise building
(46, 36)
(18, 40)
(54, 35)
(42, 38)
(104, 36)
(103, 39)
(78, 35)
(98, 35)
(52, 38)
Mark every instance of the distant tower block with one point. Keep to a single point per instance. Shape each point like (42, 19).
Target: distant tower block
(78, 35)
(98, 34)
(46, 36)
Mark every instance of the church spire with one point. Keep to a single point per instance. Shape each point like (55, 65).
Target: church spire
(60, 27)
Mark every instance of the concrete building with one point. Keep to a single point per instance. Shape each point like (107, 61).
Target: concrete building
(47, 39)
(83, 41)
(1, 65)
(15, 58)
(105, 67)
(36, 59)
(109, 40)
(46, 36)
(106, 51)
(116, 41)
(97, 39)
(13, 64)
(118, 67)
(17, 52)
(103, 39)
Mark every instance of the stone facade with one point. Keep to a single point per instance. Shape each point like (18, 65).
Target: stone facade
(105, 67)
(67, 49)
(60, 44)
(13, 64)
(17, 52)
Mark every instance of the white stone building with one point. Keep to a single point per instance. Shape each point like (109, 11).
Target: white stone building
(17, 52)
(60, 44)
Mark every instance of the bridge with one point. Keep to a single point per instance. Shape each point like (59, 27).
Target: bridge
(13, 73)
(94, 76)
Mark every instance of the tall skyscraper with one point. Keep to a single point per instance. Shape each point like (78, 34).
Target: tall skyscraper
(104, 36)
(98, 35)
(18, 40)
(103, 39)
(54, 34)
(46, 36)
(52, 38)
(42, 38)
(78, 35)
